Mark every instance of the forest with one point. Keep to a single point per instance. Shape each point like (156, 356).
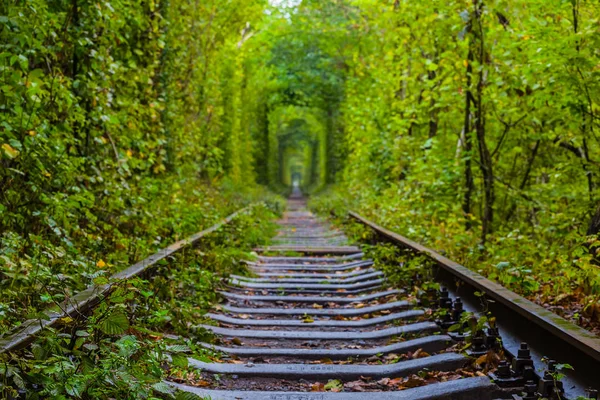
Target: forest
(470, 126)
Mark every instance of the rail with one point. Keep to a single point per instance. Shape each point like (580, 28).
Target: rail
(578, 337)
(84, 301)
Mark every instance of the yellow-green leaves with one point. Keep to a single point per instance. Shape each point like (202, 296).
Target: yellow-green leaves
(9, 151)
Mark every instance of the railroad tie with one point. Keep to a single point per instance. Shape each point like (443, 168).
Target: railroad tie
(325, 325)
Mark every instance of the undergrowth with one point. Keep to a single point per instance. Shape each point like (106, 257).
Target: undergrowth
(559, 274)
(143, 332)
(37, 271)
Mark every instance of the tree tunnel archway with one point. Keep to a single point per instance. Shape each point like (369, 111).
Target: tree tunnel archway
(299, 146)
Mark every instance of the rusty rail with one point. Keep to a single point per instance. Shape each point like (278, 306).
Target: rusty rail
(84, 301)
(578, 337)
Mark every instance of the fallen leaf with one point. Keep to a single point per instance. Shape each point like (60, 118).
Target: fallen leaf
(334, 385)
(396, 381)
(414, 381)
(420, 354)
(481, 360)
(356, 386)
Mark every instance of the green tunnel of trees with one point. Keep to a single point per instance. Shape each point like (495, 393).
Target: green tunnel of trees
(469, 125)
(472, 126)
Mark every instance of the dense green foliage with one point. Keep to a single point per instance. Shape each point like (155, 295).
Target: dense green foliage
(122, 350)
(124, 126)
(121, 129)
(472, 126)
(468, 125)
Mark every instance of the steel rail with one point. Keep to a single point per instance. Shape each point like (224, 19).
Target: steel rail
(578, 337)
(84, 301)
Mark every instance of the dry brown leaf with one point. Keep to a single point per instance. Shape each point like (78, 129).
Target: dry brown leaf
(384, 381)
(396, 381)
(317, 387)
(414, 381)
(356, 386)
(420, 354)
(481, 360)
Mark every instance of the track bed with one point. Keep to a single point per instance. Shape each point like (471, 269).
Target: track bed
(327, 325)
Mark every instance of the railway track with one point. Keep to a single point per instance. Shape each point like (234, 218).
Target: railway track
(317, 320)
(326, 325)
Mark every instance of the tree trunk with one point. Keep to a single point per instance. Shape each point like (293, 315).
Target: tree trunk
(433, 118)
(485, 159)
(468, 145)
(594, 227)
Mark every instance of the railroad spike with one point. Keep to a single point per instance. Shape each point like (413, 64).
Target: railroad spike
(530, 391)
(548, 386)
(518, 372)
(493, 340)
(458, 309)
(522, 361)
(444, 299)
(503, 371)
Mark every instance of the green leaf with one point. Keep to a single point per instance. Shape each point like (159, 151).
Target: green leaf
(502, 265)
(75, 387)
(187, 396)
(101, 280)
(38, 351)
(163, 387)
(178, 348)
(334, 384)
(115, 324)
(179, 360)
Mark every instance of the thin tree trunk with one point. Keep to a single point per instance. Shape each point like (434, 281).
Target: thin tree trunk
(530, 165)
(468, 145)
(594, 227)
(525, 180)
(433, 118)
(486, 163)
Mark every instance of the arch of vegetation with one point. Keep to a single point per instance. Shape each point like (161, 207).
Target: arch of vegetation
(301, 149)
(472, 126)
(302, 108)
